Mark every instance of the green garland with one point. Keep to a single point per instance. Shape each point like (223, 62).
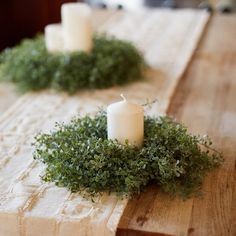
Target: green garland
(31, 67)
(79, 156)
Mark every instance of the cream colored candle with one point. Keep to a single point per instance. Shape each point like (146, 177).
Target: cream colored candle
(77, 27)
(125, 121)
(53, 38)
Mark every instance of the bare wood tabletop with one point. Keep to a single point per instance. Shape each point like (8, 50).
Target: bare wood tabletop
(205, 101)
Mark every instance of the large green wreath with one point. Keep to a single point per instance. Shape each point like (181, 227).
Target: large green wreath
(111, 62)
(79, 156)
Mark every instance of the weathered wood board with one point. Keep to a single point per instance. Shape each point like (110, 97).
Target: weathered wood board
(205, 101)
(7, 97)
(34, 208)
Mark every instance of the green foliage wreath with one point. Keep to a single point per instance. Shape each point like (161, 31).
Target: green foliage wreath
(31, 67)
(79, 156)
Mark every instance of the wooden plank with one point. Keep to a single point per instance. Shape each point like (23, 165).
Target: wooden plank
(157, 213)
(33, 203)
(8, 96)
(205, 102)
(215, 113)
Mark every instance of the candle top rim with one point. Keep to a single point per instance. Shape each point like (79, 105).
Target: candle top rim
(53, 26)
(76, 6)
(125, 107)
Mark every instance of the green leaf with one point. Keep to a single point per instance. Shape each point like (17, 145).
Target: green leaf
(111, 62)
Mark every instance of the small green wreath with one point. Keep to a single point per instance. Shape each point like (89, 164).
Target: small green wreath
(79, 156)
(111, 62)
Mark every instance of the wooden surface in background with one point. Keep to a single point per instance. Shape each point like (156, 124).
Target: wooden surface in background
(205, 101)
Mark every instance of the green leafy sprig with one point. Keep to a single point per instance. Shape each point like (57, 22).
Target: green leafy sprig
(79, 156)
(111, 62)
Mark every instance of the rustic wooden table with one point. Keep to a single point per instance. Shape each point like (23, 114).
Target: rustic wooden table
(205, 101)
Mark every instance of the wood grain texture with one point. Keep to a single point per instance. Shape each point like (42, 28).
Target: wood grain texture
(155, 211)
(205, 102)
(8, 96)
(215, 114)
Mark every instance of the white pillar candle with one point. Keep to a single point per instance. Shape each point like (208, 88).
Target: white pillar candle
(53, 38)
(125, 121)
(77, 27)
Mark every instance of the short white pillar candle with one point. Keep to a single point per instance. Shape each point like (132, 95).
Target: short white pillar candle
(54, 38)
(125, 121)
(77, 27)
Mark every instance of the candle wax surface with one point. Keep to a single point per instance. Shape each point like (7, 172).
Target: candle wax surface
(54, 38)
(125, 121)
(77, 27)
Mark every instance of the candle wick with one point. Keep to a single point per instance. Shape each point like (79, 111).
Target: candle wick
(123, 97)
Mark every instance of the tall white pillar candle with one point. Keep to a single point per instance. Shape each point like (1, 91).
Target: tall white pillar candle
(77, 27)
(125, 121)
(53, 38)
